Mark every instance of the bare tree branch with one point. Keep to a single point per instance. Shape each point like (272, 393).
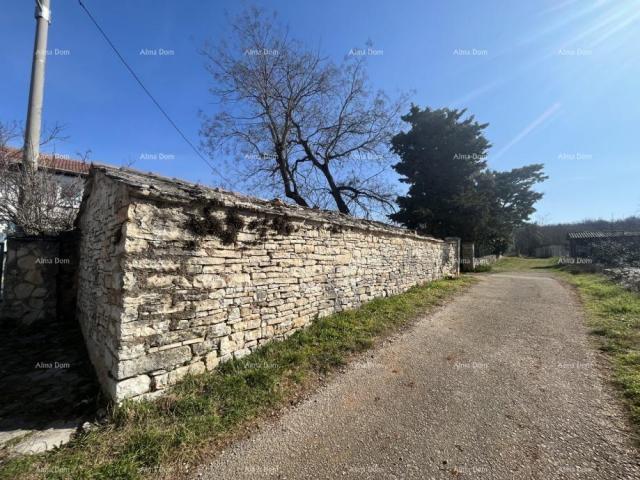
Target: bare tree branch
(35, 202)
(296, 121)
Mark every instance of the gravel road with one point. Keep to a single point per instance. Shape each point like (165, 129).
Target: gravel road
(502, 383)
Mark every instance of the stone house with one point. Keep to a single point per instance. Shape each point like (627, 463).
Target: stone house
(582, 244)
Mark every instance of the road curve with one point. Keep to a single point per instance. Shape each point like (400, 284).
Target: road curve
(502, 383)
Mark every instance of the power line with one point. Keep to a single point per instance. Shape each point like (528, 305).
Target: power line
(157, 104)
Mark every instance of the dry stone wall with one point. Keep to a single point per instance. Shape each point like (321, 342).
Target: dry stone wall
(38, 280)
(29, 283)
(176, 278)
(628, 277)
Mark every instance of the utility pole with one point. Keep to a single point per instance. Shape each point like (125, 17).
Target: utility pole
(31, 149)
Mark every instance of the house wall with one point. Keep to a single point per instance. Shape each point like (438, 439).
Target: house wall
(548, 251)
(159, 297)
(579, 247)
(99, 275)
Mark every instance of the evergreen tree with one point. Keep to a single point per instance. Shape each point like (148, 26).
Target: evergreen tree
(451, 191)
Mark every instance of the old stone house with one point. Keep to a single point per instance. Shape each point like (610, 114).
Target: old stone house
(582, 244)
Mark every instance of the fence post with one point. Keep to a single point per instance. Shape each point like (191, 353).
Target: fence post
(467, 256)
(457, 242)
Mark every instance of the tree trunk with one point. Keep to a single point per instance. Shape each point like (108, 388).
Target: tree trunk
(335, 191)
(288, 182)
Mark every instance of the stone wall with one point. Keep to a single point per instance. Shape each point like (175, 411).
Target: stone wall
(101, 220)
(628, 277)
(39, 279)
(175, 278)
(29, 284)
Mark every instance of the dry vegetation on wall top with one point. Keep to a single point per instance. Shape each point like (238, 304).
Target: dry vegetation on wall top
(204, 222)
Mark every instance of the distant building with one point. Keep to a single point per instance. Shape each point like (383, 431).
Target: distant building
(581, 244)
(59, 164)
(62, 167)
(548, 251)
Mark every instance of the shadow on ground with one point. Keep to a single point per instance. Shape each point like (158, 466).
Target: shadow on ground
(48, 387)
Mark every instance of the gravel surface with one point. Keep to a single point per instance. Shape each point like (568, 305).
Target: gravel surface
(502, 383)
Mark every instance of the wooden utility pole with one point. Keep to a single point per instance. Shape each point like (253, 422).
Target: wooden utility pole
(31, 149)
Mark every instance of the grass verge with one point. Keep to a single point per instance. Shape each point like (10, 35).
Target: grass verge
(613, 316)
(519, 264)
(162, 438)
(483, 268)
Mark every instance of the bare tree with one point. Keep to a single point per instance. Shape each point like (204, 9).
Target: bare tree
(297, 122)
(35, 202)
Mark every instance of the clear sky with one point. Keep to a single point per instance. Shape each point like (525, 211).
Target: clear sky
(558, 81)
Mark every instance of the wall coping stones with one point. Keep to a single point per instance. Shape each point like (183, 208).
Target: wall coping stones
(171, 190)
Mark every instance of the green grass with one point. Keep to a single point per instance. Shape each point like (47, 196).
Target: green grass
(158, 438)
(613, 318)
(518, 264)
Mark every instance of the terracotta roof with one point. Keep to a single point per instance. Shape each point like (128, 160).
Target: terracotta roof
(67, 165)
(51, 161)
(600, 234)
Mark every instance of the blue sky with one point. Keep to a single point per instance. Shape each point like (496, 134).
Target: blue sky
(558, 81)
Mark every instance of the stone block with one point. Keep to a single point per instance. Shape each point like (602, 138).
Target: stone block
(212, 360)
(174, 376)
(132, 387)
(208, 280)
(166, 359)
